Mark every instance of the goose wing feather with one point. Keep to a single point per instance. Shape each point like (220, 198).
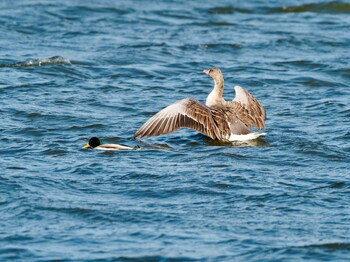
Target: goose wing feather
(188, 113)
(248, 109)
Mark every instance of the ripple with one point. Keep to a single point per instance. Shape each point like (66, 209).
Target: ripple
(228, 10)
(313, 82)
(154, 258)
(338, 185)
(221, 46)
(321, 150)
(15, 253)
(55, 152)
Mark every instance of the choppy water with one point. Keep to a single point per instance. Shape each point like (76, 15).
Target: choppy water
(75, 69)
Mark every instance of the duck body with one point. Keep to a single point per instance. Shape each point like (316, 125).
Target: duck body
(113, 147)
(217, 119)
(96, 143)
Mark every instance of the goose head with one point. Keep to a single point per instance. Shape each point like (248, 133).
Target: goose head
(216, 75)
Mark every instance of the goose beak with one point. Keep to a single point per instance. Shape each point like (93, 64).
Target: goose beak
(206, 72)
(87, 146)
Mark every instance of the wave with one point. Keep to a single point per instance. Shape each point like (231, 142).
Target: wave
(330, 246)
(55, 60)
(329, 7)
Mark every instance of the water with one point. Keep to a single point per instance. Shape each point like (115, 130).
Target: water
(75, 69)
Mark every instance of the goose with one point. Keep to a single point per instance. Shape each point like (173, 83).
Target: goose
(96, 143)
(218, 119)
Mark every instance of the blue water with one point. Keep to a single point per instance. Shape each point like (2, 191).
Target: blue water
(75, 69)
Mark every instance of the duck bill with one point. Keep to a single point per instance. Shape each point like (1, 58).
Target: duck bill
(206, 72)
(87, 146)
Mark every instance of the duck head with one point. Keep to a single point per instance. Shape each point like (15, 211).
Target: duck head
(93, 142)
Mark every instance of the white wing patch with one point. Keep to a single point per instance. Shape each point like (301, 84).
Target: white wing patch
(240, 95)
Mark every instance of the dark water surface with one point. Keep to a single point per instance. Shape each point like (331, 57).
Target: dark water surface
(75, 69)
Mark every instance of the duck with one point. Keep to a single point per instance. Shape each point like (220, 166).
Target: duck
(218, 119)
(96, 143)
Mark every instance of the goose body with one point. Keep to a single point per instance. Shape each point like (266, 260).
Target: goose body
(217, 118)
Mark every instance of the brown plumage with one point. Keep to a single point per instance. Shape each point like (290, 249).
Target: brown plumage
(217, 119)
(248, 109)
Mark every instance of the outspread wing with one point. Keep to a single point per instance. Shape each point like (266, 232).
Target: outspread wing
(248, 109)
(188, 113)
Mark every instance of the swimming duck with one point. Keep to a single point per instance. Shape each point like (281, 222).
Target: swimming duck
(96, 143)
(218, 119)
